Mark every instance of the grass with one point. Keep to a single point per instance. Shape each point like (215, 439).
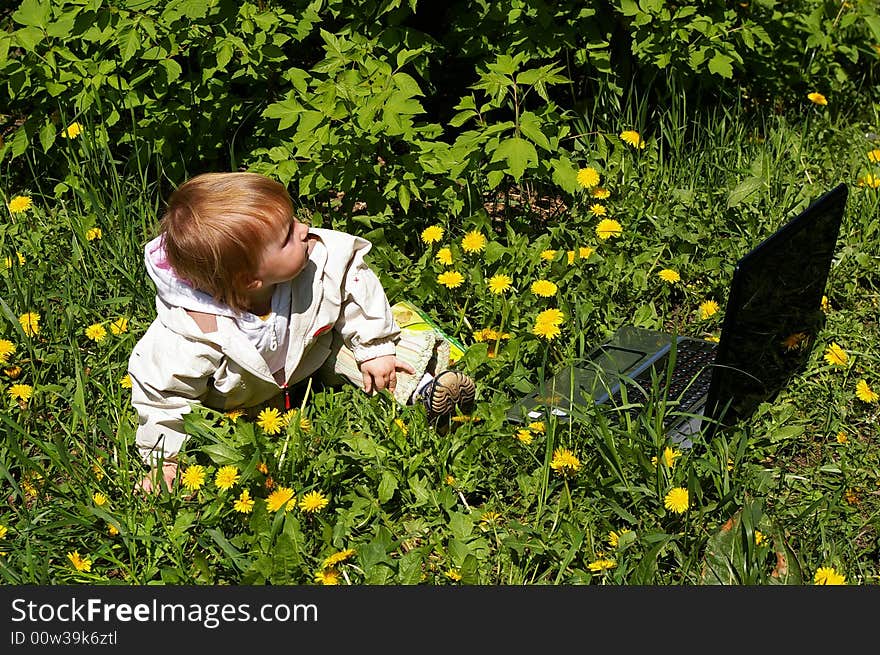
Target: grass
(790, 491)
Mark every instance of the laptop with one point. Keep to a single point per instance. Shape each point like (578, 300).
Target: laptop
(771, 321)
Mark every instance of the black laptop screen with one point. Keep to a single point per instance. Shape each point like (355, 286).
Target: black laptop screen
(774, 310)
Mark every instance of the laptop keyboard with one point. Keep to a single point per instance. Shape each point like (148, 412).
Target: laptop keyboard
(688, 382)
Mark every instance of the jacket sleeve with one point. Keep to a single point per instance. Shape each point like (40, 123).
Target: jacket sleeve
(367, 325)
(169, 373)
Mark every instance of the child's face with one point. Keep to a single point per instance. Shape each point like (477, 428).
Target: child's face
(285, 254)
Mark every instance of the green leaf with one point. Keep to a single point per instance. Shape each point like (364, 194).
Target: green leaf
(129, 42)
(28, 37)
(33, 13)
(519, 155)
(720, 65)
(47, 135)
(222, 454)
(743, 190)
(530, 126)
(224, 54)
(403, 196)
(387, 486)
(629, 8)
(874, 25)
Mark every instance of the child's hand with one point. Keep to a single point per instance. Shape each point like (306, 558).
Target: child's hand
(150, 484)
(381, 372)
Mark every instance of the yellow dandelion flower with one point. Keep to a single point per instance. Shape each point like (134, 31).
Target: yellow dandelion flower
(6, 349)
(119, 326)
(870, 180)
(72, 131)
(444, 256)
(453, 575)
(96, 332)
(602, 565)
(262, 468)
(327, 577)
(125, 381)
(450, 279)
(601, 193)
(94, 233)
(565, 462)
(544, 288)
(19, 256)
(19, 204)
(79, 563)
(614, 537)
(537, 426)
(588, 177)
(633, 138)
(500, 283)
(312, 502)
(841, 437)
(226, 477)
(826, 575)
(669, 457)
(244, 504)
(490, 518)
(608, 228)
(338, 558)
(874, 156)
(546, 330)
(817, 98)
(669, 275)
(234, 414)
(473, 241)
(570, 254)
(21, 392)
(548, 255)
(524, 436)
(401, 426)
(835, 355)
(99, 499)
(550, 316)
(432, 234)
(270, 420)
(597, 209)
(450, 480)
(30, 323)
(584, 252)
(826, 304)
(676, 500)
(289, 418)
(759, 538)
(279, 498)
(112, 530)
(707, 309)
(865, 393)
(193, 477)
(12, 372)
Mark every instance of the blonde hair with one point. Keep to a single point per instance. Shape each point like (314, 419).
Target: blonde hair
(214, 229)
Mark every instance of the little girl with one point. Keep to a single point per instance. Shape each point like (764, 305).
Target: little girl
(251, 301)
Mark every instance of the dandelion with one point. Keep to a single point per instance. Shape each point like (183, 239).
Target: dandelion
(432, 234)
(99, 499)
(30, 323)
(601, 193)
(668, 275)
(588, 177)
(262, 468)
(449, 479)
(633, 138)
(817, 98)
(244, 504)
(234, 414)
(835, 355)
(584, 252)
(290, 416)
(473, 241)
(450, 279)
(524, 436)
(270, 420)
(119, 326)
(826, 575)
(12, 372)
(537, 426)
(490, 518)
(125, 381)
(6, 349)
(72, 131)
(279, 498)
(338, 558)
(194, 477)
(112, 530)
(597, 209)
(825, 304)
(21, 392)
(602, 565)
(453, 575)
(874, 156)
(96, 332)
(18, 256)
(546, 330)
(565, 462)
(548, 255)
(79, 563)
(19, 204)
(707, 309)
(312, 502)
(841, 437)
(676, 500)
(327, 577)
(865, 393)
(93, 233)
(571, 255)
(608, 228)
(544, 288)
(759, 537)
(669, 457)
(870, 180)
(500, 283)
(226, 477)
(551, 316)
(614, 537)
(444, 256)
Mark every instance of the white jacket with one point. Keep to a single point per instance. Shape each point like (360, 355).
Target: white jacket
(175, 364)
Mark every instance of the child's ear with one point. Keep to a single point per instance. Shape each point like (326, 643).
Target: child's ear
(253, 284)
